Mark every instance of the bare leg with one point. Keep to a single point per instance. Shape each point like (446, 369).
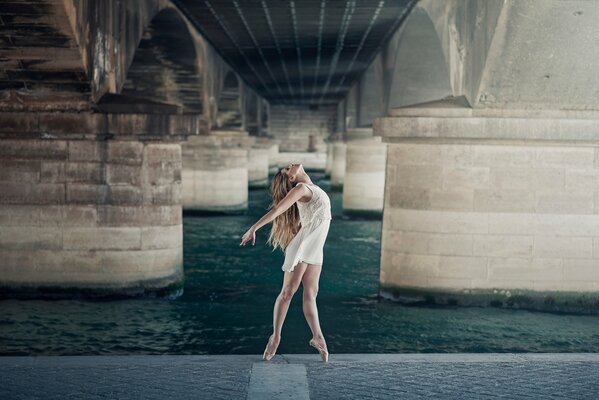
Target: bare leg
(291, 282)
(310, 282)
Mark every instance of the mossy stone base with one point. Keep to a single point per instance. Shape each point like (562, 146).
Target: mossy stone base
(238, 209)
(552, 301)
(171, 287)
(364, 214)
(260, 184)
(336, 187)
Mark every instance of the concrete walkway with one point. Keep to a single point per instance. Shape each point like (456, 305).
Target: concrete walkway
(302, 376)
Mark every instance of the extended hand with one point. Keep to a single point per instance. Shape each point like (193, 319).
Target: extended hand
(250, 234)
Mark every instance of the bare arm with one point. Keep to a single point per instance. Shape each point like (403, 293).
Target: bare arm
(294, 195)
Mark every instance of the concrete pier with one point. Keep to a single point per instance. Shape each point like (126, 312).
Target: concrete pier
(491, 207)
(272, 146)
(215, 172)
(364, 180)
(81, 214)
(338, 165)
(300, 128)
(329, 160)
(311, 161)
(258, 166)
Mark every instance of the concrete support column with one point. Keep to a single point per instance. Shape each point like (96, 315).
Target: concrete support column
(338, 165)
(272, 153)
(491, 207)
(311, 161)
(364, 180)
(89, 215)
(273, 158)
(329, 162)
(215, 172)
(258, 166)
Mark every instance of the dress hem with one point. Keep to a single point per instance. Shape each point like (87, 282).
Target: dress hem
(301, 261)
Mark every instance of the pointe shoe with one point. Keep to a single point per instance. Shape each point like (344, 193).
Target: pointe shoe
(267, 356)
(324, 354)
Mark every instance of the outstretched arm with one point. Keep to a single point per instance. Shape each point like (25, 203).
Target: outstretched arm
(294, 195)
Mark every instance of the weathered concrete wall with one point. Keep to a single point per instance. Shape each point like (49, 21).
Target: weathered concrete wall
(272, 147)
(416, 70)
(229, 114)
(312, 161)
(215, 172)
(477, 212)
(440, 50)
(258, 166)
(541, 58)
(41, 67)
(108, 34)
(352, 102)
(298, 128)
(370, 94)
(121, 50)
(364, 180)
(328, 168)
(338, 164)
(89, 214)
(467, 30)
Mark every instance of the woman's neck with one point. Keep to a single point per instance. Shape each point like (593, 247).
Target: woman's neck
(305, 179)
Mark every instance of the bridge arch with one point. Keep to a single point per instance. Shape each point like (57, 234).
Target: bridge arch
(229, 106)
(166, 67)
(420, 70)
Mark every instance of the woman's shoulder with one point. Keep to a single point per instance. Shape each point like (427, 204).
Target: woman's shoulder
(310, 188)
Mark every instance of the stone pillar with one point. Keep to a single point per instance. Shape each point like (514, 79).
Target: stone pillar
(215, 172)
(273, 158)
(329, 163)
(338, 165)
(310, 161)
(272, 147)
(85, 215)
(258, 166)
(491, 207)
(364, 181)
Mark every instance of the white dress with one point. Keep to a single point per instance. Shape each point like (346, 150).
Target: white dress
(315, 218)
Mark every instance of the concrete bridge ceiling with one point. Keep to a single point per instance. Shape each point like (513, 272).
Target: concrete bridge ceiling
(298, 52)
(40, 62)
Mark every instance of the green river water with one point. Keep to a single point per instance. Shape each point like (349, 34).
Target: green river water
(227, 303)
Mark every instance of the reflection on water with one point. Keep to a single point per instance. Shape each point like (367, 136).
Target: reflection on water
(229, 293)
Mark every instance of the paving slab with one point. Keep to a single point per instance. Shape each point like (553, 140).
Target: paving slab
(303, 376)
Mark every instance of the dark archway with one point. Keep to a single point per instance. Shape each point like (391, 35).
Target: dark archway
(165, 67)
(229, 104)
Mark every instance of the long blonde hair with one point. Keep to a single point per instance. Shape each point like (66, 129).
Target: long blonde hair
(286, 225)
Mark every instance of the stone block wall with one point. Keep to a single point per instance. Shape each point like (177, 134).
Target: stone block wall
(364, 180)
(258, 167)
(473, 215)
(97, 214)
(294, 125)
(338, 165)
(215, 173)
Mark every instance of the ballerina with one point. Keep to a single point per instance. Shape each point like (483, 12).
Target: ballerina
(300, 213)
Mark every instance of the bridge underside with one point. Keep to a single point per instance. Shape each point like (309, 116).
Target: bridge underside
(469, 126)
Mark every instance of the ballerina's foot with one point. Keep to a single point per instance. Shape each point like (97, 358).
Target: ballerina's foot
(271, 347)
(321, 346)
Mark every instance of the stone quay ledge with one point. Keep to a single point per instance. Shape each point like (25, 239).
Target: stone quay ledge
(303, 376)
